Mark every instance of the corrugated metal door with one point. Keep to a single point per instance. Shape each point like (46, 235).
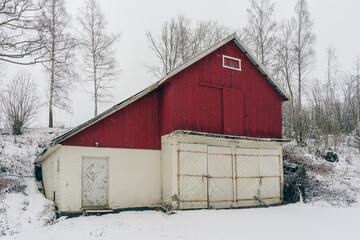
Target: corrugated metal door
(258, 174)
(94, 182)
(220, 174)
(192, 172)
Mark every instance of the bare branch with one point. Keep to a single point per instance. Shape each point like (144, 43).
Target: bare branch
(97, 48)
(20, 102)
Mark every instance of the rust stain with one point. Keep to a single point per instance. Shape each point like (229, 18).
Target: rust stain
(260, 177)
(253, 199)
(252, 155)
(192, 151)
(220, 177)
(217, 201)
(221, 154)
(192, 201)
(191, 175)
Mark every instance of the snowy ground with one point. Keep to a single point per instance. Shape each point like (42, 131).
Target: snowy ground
(337, 183)
(24, 207)
(295, 221)
(28, 215)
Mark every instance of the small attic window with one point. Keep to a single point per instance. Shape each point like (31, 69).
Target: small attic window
(232, 63)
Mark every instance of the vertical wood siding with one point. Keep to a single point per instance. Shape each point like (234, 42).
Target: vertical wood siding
(204, 97)
(134, 126)
(247, 103)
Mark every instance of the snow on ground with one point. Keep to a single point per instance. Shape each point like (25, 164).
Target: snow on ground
(297, 221)
(26, 214)
(22, 206)
(336, 183)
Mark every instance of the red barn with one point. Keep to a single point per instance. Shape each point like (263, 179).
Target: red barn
(207, 135)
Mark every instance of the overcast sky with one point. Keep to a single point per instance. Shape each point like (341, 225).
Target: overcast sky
(335, 22)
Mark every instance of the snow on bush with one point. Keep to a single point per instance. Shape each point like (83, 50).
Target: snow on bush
(334, 183)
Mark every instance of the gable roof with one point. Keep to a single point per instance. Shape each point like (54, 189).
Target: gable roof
(178, 69)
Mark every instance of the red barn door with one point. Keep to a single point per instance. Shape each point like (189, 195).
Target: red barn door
(233, 112)
(211, 109)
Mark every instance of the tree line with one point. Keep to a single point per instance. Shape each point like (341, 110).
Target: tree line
(318, 108)
(38, 32)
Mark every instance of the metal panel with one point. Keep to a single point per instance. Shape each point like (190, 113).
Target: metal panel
(192, 176)
(220, 173)
(94, 182)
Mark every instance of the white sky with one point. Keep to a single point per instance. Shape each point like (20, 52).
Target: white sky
(335, 22)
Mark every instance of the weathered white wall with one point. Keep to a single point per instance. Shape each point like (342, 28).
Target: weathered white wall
(170, 146)
(51, 177)
(134, 176)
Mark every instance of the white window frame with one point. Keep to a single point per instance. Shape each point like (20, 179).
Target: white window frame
(237, 59)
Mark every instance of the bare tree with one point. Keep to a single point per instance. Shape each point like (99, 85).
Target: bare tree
(206, 34)
(304, 53)
(20, 41)
(20, 102)
(178, 42)
(331, 99)
(60, 45)
(171, 46)
(349, 89)
(260, 32)
(356, 76)
(286, 64)
(98, 52)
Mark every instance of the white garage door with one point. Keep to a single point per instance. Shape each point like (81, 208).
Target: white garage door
(258, 174)
(209, 176)
(192, 176)
(220, 174)
(94, 182)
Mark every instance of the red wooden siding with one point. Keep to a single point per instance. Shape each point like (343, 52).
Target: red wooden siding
(204, 97)
(210, 112)
(255, 114)
(135, 126)
(234, 118)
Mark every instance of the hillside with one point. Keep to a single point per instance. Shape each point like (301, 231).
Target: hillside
(22, 206)
(331, 183)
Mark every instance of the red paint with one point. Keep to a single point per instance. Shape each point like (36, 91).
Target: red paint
(134, 126)
(204, 97)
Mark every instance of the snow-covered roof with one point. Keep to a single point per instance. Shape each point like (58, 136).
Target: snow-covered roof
(213, 135)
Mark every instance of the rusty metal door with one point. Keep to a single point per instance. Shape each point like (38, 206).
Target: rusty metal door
(94, 182)
(220, 177)
(192, 176)
(258, 174)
